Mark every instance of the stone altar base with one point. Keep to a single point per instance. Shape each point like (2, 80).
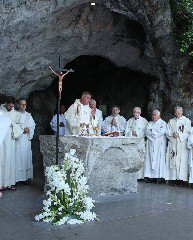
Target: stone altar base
(111, 164)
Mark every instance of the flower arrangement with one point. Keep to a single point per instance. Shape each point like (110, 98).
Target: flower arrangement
(67, 200)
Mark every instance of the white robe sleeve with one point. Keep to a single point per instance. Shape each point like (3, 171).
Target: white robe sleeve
(106, 126)
(187, 127)
(190, 140)
(142, 131)
(17, 129)
(169, 133)
(5, 123)
(149, 133)
(31, 125)
(72, 118)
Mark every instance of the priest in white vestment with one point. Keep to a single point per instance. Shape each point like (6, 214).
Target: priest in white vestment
(8, 148)
(96, 118)
(178, 130)
(155, 148)
(5, 123)
(24, 166)
(115, 122)
(62, 122)
(78, 116)
(190, 156)
(136, 128)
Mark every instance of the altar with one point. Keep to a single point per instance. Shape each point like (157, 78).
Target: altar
(111, 163)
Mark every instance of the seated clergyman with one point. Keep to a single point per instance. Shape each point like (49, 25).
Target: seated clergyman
(78, 115)
(96, 118)
(115, 122)
(62, 122)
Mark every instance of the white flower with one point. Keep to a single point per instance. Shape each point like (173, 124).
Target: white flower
(60, 191)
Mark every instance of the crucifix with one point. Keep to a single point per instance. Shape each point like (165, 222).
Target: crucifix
(61, 76)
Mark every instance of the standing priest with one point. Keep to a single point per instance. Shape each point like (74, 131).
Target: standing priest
(8, 147)
(78, 115)
(115, 122)
(177, 152)
(136, 128)
(96, 118)
(156, 148)
(24, 167)
(5, 123)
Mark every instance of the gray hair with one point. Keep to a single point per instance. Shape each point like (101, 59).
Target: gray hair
(93, 100)
(178, 107)
(156, 111)
(137, 108)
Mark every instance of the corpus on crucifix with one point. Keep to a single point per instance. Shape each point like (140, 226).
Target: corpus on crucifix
(61, 76)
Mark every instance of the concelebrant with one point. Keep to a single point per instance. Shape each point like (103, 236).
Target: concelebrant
(5, 123)
(78, 115)
(24, 166)
(8, 147)
(155, 149)
(177, 152)
(96, 118)
(136, 128)
(115, 122)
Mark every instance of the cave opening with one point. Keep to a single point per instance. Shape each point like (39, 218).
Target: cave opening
(109, 84)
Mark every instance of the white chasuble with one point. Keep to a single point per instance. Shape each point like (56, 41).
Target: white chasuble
(108, 125)
(177, 151)
(8, 149)
(5, 123)
(24, 166)
(155, 149)
(139, 126)
(96, 122)
(77, 115)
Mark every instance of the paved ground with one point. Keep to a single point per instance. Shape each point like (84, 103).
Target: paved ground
(156, 212)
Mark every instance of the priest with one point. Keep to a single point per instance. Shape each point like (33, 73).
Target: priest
(78, 116)
(24, 166)
(5, 123)
(136, 128)
(96, 118)
(178, 130)
(155, 149)
(62, 122)
(114, 122)
(8, 147)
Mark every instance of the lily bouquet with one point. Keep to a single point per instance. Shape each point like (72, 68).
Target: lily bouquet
(67, 200)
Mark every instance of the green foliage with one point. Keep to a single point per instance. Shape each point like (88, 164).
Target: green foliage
(182, 11)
